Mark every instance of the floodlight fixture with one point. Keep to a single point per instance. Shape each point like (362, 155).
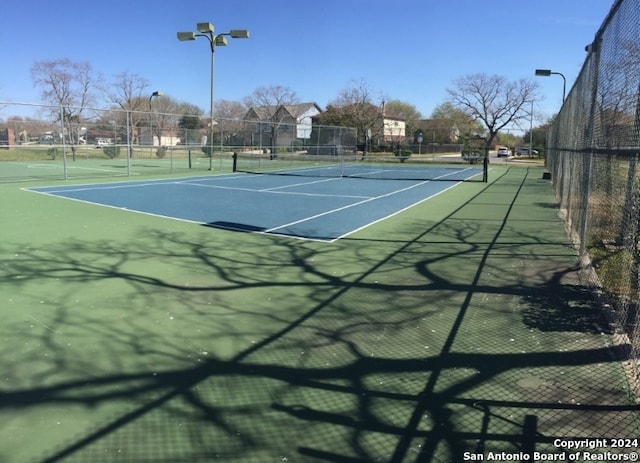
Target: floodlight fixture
(548, 72)
(205, 28)
(184, 36)
(239, 33)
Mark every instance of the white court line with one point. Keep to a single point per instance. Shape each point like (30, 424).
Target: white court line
(324, 180)
(393, 213)
(123, 184)
(366, 201)
(333, 240)
(273, 190)
(58, 167)
(369, 199)
(100, 187)
(119, 208)
(261, 189)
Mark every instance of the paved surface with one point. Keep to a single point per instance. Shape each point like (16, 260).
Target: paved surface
(453, 331)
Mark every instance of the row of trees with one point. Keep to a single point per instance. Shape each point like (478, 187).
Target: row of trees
(478, 105)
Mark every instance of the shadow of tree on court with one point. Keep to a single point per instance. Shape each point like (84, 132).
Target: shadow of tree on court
(223, 346)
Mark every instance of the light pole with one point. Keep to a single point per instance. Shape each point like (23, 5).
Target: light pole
(548, 72)
(531, 131)
(207, 30)
(154, 94)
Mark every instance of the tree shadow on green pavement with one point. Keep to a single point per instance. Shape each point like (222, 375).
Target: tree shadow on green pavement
(562, 307)
(214, 346)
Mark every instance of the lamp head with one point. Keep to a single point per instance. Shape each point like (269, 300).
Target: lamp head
(543, 72)
(184, 36)
(221, 41)
(205, 28)
(239, 33)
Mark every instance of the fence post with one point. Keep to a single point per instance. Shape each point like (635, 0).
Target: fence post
(591, 147)
(129, 147)
(64, 146)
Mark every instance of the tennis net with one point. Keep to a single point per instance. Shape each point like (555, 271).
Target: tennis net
(447, 168)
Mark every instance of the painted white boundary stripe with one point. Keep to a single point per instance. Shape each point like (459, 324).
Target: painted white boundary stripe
(373, 198)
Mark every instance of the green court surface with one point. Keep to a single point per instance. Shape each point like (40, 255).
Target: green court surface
(90, 164)
(458, 325)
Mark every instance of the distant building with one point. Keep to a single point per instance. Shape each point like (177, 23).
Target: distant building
(393, 128)
(280, 125)
(7, 138)
(168, 137)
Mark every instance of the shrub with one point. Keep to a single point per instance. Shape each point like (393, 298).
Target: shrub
(112, 152)
(296, 145)
(52, 153)
(208, 150)
(161, 152)
(403, 153)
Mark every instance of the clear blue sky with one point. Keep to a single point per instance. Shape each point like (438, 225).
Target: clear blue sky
(410, 50)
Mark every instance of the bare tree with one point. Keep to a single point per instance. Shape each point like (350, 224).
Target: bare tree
(361, 109)
(130, 93)
(229, 116)
(69, 86)
(266, 102)
(464, 124)
(271, 97)
(166, 116)
(227, 109)
(493, 100)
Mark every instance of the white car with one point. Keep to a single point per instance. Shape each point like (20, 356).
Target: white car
(503, 152)
(101, 143)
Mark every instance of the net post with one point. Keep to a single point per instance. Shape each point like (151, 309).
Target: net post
(485, 168)
(235, 161)
(485, 165)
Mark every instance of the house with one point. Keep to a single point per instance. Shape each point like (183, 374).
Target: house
(281, 125)
(7, 138)
(393, 127)
(375, 127)
(161, 136)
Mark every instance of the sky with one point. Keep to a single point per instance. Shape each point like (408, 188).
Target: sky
(408, 50)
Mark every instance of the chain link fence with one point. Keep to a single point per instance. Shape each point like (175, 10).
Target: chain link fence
(592, 155)
(41, 141)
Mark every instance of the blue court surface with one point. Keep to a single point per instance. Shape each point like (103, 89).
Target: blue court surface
(324, 209)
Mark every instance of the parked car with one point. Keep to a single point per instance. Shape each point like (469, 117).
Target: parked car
(102, 142)
(525, 152)
(503, 152)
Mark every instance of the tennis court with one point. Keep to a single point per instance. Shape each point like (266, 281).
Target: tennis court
(456, 326)
(320, 203)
